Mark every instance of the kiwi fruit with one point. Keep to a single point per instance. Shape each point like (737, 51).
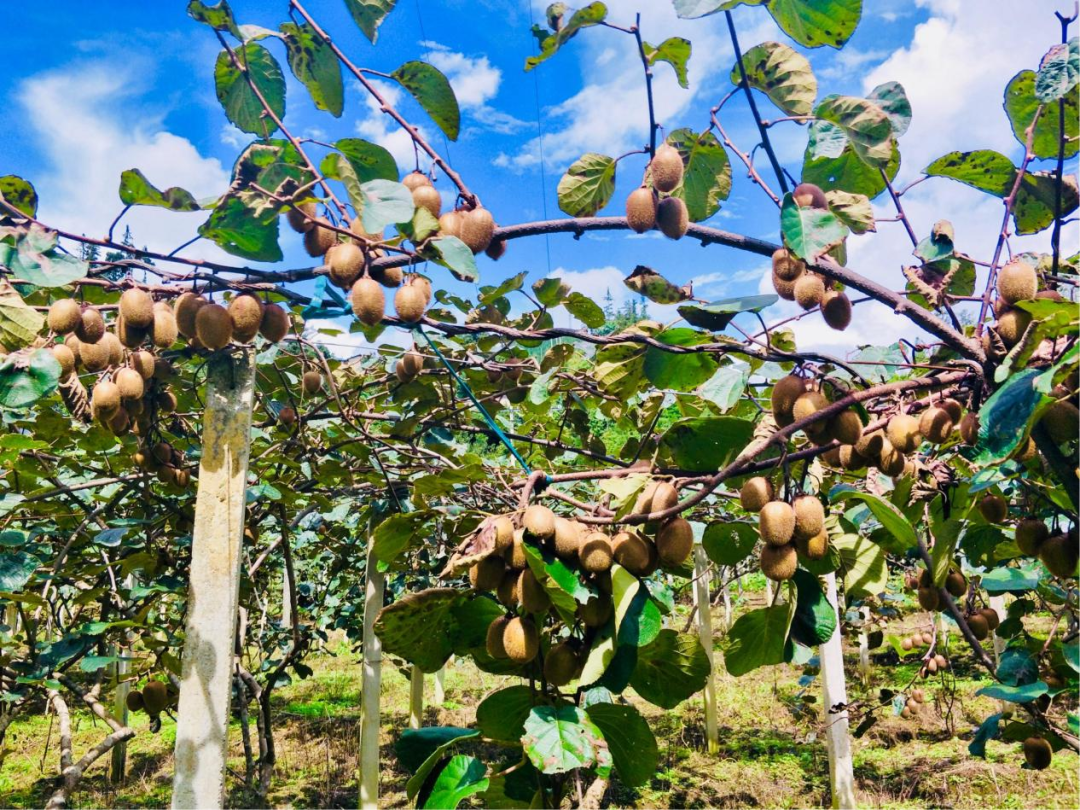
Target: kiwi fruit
(778, 563)
(776, 523)
(1030, 535)
(345, 262)
(903, 432)
(319, 238)
(785, 289)
(129, 336)
(805, 407)
(515, 555)
(786, 266)
(155, 697)
(186, 308)
(1038, 753)
(94, 356)
(953, 408)
(65, 357)
(213, 327)
(368, 301)
(75, 345)
(92, 327)
(137, 308)
(674, 542)
(300, 216)
(809, 290)
(672, 217)
(520, 640)
(403, 372)
(979, 628)
(1011, 326)
(631, 551)
(807, 195)
(246, 312)
(119, 423)
(388, 276)
(450, 223)
(597, 610)
(641, 208)
(507, 590)
(356, 228)
(813, 548)
(64, 316)
(890, 460)
(504, 534)
(409, 303)
(658, 496)
(595, 553)
(496, 250)
(935, 424)
(1017, 281)
(666, 168)
(163, 330)
(130, 382)
(809, 517)
(533, 597)
(956, 584)
(134, 701)
(846, 427)
(413, 363)
(870, 445)
(105, 398)
(477, 228)
(831, 457)
(561, 664)
(784, 393)
(495, 632)
(567, 538)
(428, 198)
(1062, 421)
(836, 309)
(115, 347)
(993, 621)
(312, 382)
(538, 523)
(969, 428)
(993, 508)
(275, 323)
(415, 179)
(755, 493)
(1059, 554)
(928, 598)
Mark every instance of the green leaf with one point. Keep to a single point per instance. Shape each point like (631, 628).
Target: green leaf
(726, 387)
(1021, 104)
(673, 50)
(809, 232)
(36, 259)
(679, 372)
(864, 566)
(16, 568)
(19, 323)
(239, 230)
(671, 669)
(551, 291)
(585, 310)
(558, 739)
(631, 741)
(706, 172)
(813, 23)
(135, 189)
(415, 748)
(26, 378)
(692, 9)
(646, 281)
(219, 17)
(887, 515)
(560, 582)
(592, 14)
(1058, 72)
(1004, 419)
(718, 314)
(815, 620)
(946, 536)
(241, 104)
(987, 730)
(385, 202)
(757, 639)
(708, 443)
(637, 618)
(368, 160)
(501, 715)
(1017, 667)
(398, 533)
(891, 97)
(462, 777)
(369, 15)
(587, 185)
(433, 92)
(1011, 580)
(729, 543)
(1014, 694)
(1034, 209)
(419, 627)
(831, 162)
(868, 129)
(983, 169)
(315, 66)
(781, 73)
(19, 193)
(455, 256)
(854, 210)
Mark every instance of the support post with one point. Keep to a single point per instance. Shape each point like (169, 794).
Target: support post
(370, 685)
(214, 590)
(703, 602)
(120, 712)
(286, 601)
(864, 648)
(728, 618)
(997, 604)
(834, 689)
(416, 697)
(440, 683)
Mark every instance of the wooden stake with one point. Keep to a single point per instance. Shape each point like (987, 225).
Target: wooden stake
(702, 600)
(370, 686)
(120, 712)
(834, 689)
(416, 697)
(207, 663)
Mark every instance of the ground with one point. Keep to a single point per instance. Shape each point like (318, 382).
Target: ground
(769, 753)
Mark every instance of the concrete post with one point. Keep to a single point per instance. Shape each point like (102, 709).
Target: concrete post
(704, 611)
(834, 689)
(370, 686)
(416, 697)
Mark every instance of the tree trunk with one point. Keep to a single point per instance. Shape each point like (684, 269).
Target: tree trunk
(370, 685)
(834, 689)
(704, 611)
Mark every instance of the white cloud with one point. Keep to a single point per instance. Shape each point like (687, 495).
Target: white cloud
(598, 283)
(474, 79)
(335, 336)
(380, 128)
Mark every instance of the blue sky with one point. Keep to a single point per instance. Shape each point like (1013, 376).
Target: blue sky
(92, 89)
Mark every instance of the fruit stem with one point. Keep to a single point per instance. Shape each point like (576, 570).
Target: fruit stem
(648, 84)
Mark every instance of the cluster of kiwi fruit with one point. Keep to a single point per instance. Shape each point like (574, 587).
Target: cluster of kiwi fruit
(794, 398)
(1059, 552)
(408, 366)
(647, 209)
(789, 530)
(1062, 418)
(793, 281)
(929, 597)
(154, 698)
(508, 376)
(1017, 281)
(916, 699)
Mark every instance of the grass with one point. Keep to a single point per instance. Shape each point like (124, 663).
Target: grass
(770, 752)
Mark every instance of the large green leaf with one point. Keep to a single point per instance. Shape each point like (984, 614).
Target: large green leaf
(646, 281)
(887, 515)
(369, 15)
(637, 619)
(1035, 201)
(983, 169)
(415, 748)
(809, 232)
(671, 669)
(585, 310)
(814, 23)
(433, 92)
(718, 314)
(460, 778)
(385, 203)
(36, 259)
(455, 256)
(1004, 419)
(559, 581)
(587, 185)
(398, 533)
(868, 129)
(241, 231)
(854, 210)
(1021, 104)
(558, 739)
(631, 741)
(135, 189)
(420, 626)
(864, 566)
(1059, 71)
(757, 639)
(26, 377)
(550, 42)
(16, 568)
(20, 193)
(706, 444)
(890, 96)
(729, 543)
(501, 715)
(706, 173)
(219, 16)
(831, 162)
(781, 73)
(815, 620)
(726, 387)
(368, 160)
(673, 50)
(241, 104)
(692, 9)
(315, 66)
(679, 372)
(1014, 694)
(19, 322)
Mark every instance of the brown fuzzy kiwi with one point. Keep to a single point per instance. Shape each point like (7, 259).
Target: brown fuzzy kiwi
(778, 563)
(1017, 281)
(993, 508)
(403, 372)
(65, 357)
(134, 701)
(776, 523)
(427, 197)
(488, 573)
(674, 542)
(925, 580)
(368, 301)
(129, 335)
(130, 382)
(137, 308)
(504, 534)
(657, 496)
(641, 206)
(836, 310)
(533, 597)
(846, 427)
(520, 640)
(595, 554)
(969, 428)
(92, 327)
(814, 548)
(672, 217)
(312, 382)
(413, 363)
(870, 445)
(928, 598)
(163, 331)
(105, 399)
(409, 303)
(935, 425)
(213, 327)
(496, 250)
(387, 276)
(784, 393)
(538, 522)
(65, 316)
(1011, 326)
(345, 262)
(805, 407)
(596, 611)
(561, 664)
(666, 168)
(903, 432)
(755, 493)
(993, 621)
(956, 583)
(567, 538)
(891, 461)
(319, 238)
(1038, 753)
(809, 290)
(415, 179)
(495, 632)
(246, 312)
(300, 216)
(116, 348)
(1030, 535)
(786, 266)
(785, 289)
(809, 517)
(275, 323)
(75, 345)
(632, 552)
(186, 308)
(807, 195)
(119, 423)
(166, 401)
(1060, 555)
(477, 228)
(94, 356)
(155, 698)
(953, 408)
(1062, 421)
(450, 223)
(979, 628)
(831, 457)
(515, 555)
(507, 592)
